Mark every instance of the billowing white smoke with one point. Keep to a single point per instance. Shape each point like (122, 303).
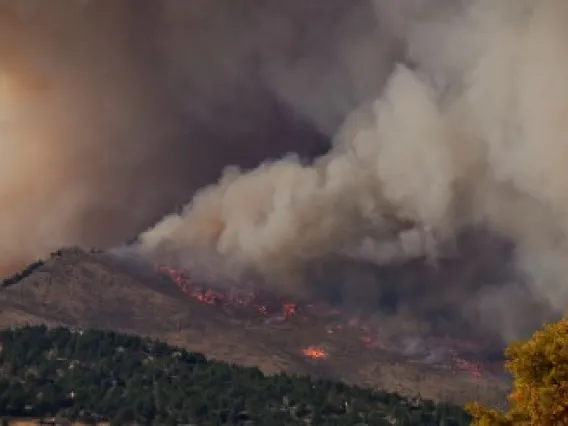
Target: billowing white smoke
(475, 134)
(286, 213)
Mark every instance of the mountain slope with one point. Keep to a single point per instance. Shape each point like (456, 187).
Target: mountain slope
(78, 289)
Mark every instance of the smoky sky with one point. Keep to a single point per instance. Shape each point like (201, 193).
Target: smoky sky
(288, 136)
(116, 112)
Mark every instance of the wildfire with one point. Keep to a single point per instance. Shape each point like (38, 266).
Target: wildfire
(267, 306)
(233, 298)
(314, 352)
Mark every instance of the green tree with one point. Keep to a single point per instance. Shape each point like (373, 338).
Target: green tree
(100, 376)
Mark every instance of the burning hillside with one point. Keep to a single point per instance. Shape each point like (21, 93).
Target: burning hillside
(230, 299)
(391, 173)
(245, 325)
(245, 299)
(328, 148)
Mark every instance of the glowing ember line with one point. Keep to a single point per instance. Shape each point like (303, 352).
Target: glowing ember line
(234, 298)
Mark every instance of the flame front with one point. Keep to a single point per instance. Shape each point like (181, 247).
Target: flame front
(233, 298)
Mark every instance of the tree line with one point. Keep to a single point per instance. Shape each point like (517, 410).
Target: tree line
(94, 376)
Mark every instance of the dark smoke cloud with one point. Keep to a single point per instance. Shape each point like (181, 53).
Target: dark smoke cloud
(468, 133)
(115, 112)
(443, 115)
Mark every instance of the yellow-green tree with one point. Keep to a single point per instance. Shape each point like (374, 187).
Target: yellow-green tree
(540, 388)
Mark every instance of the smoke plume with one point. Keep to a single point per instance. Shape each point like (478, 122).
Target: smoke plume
(442, 116)
(471, 134)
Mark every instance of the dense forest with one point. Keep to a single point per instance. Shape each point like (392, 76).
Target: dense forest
(94, 376)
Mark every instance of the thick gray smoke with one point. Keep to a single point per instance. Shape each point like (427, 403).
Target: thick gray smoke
(445, 116)
(115, 112)
(472, 134)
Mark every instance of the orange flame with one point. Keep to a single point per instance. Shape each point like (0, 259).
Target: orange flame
(234, 298)
(314, 352)
(265, 306)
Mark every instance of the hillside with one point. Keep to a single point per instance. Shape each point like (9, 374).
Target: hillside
(85, 290)
(96, 376)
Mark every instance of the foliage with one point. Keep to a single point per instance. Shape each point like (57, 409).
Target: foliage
(95, 376)
(540, 393)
